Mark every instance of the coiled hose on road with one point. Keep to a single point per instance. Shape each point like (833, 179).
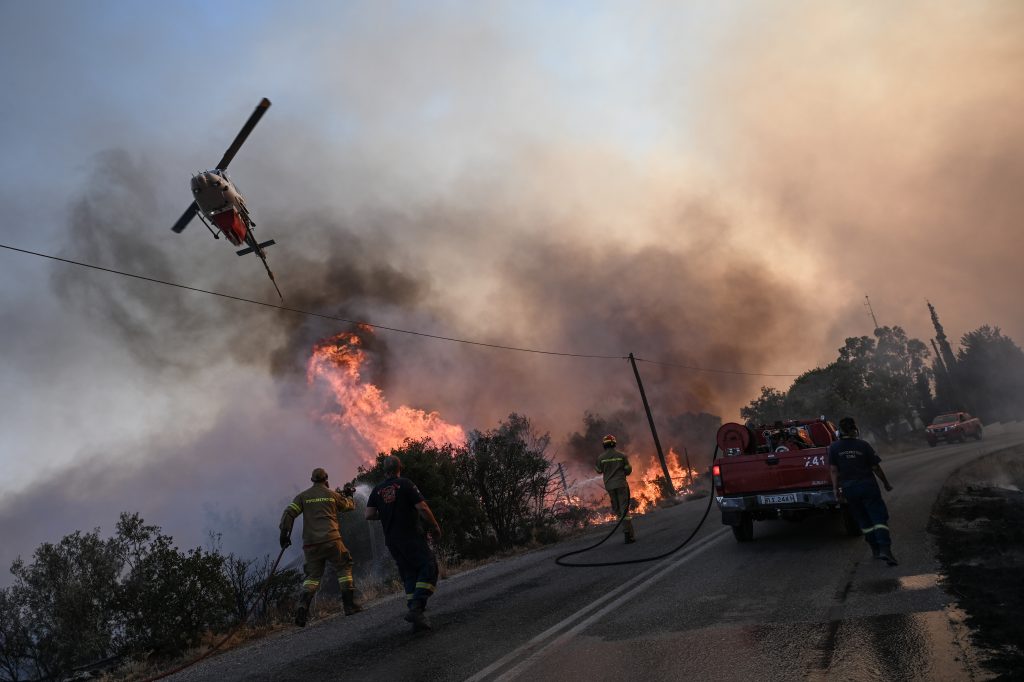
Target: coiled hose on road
(560, 560)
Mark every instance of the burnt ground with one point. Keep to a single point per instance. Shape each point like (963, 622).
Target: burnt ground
(978, 523)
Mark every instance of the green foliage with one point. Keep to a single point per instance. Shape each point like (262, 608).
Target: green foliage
(767, 408)
(510, 472)
(18, 655)
(67, 598)
(882, 382)
(990, 371)
(452, 498)
(169, 598)
(248, 581)
(491, 492)
(86, 598)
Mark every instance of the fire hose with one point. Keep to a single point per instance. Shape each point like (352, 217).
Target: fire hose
(231, 633)
(560, 560)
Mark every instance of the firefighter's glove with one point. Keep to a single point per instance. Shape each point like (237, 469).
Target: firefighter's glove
(286, 541)
(349, 490)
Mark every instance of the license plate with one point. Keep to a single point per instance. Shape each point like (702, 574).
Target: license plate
(776, 499)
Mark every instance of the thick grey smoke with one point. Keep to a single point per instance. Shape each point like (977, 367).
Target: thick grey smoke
(826, 153)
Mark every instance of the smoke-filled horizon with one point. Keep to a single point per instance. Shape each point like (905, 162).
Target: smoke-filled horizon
(698, 185)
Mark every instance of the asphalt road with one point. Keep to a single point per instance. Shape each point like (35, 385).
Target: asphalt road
(803, 601)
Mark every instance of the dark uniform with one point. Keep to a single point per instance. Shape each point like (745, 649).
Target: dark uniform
(614, 465)
(321, 539)
(855, 460)
(395, 500)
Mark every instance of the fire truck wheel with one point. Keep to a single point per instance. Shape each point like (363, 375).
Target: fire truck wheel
(978, 435)
(744, 531)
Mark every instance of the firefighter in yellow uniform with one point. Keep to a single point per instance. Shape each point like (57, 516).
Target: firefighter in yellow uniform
(321, 540)
(615, 466)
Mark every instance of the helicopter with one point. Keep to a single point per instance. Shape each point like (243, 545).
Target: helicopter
(217, 200)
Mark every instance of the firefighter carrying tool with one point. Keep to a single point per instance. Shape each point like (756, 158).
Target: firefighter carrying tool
(321, 540)
(615, 467)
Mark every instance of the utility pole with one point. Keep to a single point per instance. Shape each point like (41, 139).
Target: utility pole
(871, 311)
(668, 490)
(565, 486)
(689, 470)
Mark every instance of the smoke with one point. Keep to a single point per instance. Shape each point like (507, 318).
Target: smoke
(888, 141)
(216, 482)
(602, 205)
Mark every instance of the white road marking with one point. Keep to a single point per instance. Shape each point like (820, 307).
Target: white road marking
(550, 638)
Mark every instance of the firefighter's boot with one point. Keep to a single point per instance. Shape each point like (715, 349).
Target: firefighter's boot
(628, 530)
(348, 601)
(302, 613)
(876, 551)
(416, 616)
(885, 554)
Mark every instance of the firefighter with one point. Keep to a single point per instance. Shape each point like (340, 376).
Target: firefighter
(854, 465)
(398, 504)
(615, 467)
(321, 540)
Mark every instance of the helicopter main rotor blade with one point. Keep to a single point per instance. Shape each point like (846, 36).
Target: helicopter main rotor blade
(261, 109)
(186, 217)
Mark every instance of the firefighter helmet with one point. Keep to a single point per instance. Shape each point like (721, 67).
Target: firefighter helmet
(609, 440)
(319, 475)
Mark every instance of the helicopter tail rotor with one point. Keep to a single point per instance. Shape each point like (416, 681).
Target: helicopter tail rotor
(249, 249)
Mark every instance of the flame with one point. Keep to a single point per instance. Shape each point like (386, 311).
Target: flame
(644, 489)
(363, 411)
(647, 491)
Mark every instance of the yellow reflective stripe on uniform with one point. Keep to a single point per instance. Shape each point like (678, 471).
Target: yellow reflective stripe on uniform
(612, 459)
(311, 583)
(344, 578)
(320, 499)
(877, 526)
(292, 505)
(424, 586)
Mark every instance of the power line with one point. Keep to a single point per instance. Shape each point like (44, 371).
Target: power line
(336, 318)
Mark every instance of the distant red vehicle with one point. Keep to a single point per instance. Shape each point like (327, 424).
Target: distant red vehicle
(777, 471)
(953, 427)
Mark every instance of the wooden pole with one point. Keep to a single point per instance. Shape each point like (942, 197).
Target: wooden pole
(668, 490)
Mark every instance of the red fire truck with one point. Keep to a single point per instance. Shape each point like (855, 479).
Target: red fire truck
(777, 471)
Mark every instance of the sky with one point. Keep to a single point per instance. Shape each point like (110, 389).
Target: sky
(711, 184)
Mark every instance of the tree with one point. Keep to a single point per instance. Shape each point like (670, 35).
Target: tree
(67, 600)
(883, 382)
(767, 408)
(990, 369)
(511, 475)
(17, 660)
(451, 496)
(248, 580)
(169, 598)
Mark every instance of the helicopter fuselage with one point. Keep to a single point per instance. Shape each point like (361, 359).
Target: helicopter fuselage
(222, 204)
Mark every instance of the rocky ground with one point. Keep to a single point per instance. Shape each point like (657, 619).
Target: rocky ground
(978, 522)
